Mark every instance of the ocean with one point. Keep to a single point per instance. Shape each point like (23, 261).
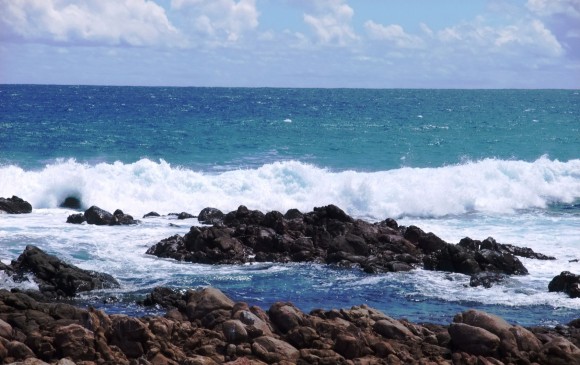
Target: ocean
(458, 163)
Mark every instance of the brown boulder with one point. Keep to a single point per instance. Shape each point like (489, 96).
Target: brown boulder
(392, 329)
(474, 340)
(285, 316)
(272, 350)
(202, 302)
(75, 341)
(559, 351)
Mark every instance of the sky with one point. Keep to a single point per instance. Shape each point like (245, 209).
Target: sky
(292, 43)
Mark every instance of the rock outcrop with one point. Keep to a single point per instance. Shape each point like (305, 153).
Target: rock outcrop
(328, 235)
(566, 282)
(56, 278)
(100, 217)
(211, 328)
(14, 205)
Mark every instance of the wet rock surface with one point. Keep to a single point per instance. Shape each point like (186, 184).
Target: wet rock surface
(211, 328)
(100, 217)
(328, 235)
(56, 278)
(566, 282)
(14, 205)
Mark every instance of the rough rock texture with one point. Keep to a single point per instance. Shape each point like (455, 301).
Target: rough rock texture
(100, 217)
(55, 277)
(329, 235)
(213, 329)
(566, 282)
(14, 205)
(210, 216)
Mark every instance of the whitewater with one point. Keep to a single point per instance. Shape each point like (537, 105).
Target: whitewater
(476, 163)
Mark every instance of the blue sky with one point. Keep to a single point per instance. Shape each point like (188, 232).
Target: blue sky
(292, 43)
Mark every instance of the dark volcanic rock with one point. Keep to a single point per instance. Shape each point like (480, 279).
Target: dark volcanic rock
(329, 235)
(100, 217)
(152, 214)
(486, 279)
(210, 216)
(56, 276)
(14, 205)
(185, 215)
(566, 282)
(78, 218)
(120, 218)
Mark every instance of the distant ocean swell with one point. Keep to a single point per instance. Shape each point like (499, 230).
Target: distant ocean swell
(488, 186)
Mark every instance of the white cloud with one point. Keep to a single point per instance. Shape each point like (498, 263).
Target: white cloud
(332, 22)
(221, 19)
(522, 38)
(570, 8)
(95, 22)
(394, 34)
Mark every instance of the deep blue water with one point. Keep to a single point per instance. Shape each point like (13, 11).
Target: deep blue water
(369, 130)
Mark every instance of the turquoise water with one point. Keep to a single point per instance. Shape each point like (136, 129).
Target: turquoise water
(478, 163)
(364, 130)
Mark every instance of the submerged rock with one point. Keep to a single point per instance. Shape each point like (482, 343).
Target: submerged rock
(14, 205)
(566, 282)
(57, 278)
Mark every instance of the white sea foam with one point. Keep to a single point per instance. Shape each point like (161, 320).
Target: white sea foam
(488, 186)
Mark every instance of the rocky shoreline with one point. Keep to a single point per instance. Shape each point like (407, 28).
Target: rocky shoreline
(205, 326)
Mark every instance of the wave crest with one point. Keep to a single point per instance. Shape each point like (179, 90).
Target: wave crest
(489, 185)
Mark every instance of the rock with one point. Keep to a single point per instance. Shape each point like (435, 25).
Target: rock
(98, 216)
(474, 340)
(120, 218)
(151, 214)
(165, 298)
(566, 282)
(486, 279)
(392, 329)
(210, 216)
(293, 214)
(234, 331)
(202, 302)
(5, 330)
(272, 350)
(14, 205)
(329, 235)
(130, 335)
(71, 202)
(559, 351)
(75, 341)
(77, 218)
(52, 274)
(285, 316)
(185, 215)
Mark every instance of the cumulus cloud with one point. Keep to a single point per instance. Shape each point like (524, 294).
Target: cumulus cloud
(394, 34)
(92, 22)
(523, 37)
(221, 19)
(332, 22)
(562, 17)
(569, 8)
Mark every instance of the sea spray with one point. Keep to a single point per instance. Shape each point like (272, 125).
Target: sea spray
(486, 186)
